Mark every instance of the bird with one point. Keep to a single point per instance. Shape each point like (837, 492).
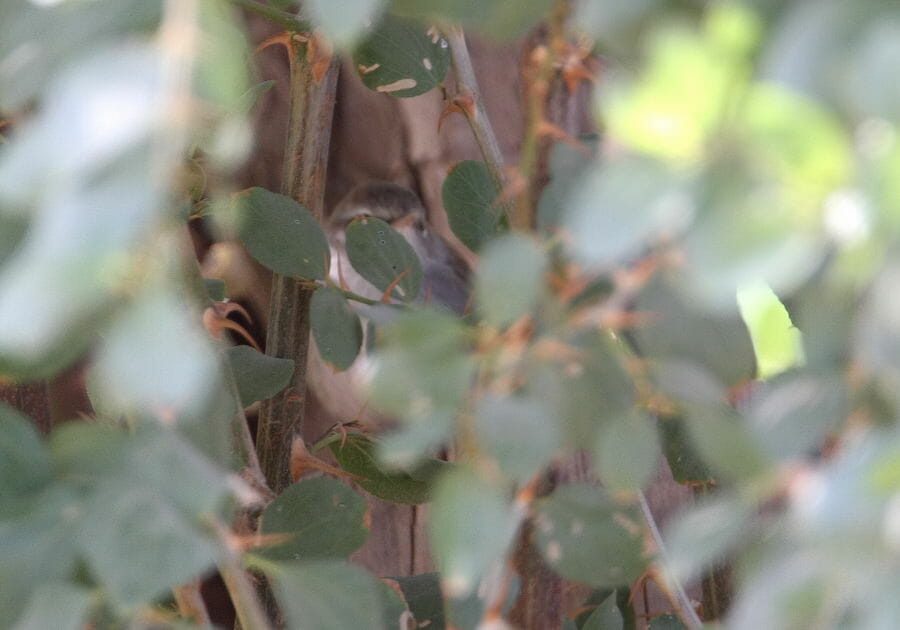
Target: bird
(445, 283)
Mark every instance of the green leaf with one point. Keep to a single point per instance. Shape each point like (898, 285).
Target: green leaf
(178, 371)
(38, 547)
(510, 279)
(336, 328)
(253, 94)
(587, 537)
(499, 19)
(56, 605)
(704, 534)
(63, 28)
(777, 343)
(281, 234)
(327, 595)
(617, 207)
(383, 257)
(469, 194)
(171, 548)
(322, 518)
(215, 289)
(357, 456)
(520, 433)
(343, 22)
(472, 525)
(682, 330)
(725, 442)
(24, 463)
(258, 375)
(792, 416)
(683, 460)
(666, 622)
(626, 452)
(402, 58)
(587, 392)
(425, 600)
(607, 616)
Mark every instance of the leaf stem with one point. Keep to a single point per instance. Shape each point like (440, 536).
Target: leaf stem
(680, 600)
(288, 20)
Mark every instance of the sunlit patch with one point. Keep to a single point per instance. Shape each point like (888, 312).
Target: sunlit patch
(367, 69)
(847, 216)
(427, 63)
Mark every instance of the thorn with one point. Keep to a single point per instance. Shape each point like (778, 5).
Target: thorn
(549, 130)
(461, 104)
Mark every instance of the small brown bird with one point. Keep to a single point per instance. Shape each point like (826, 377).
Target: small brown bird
(445, 282)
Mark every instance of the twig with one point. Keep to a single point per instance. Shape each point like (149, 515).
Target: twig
(190, 603)
(247, 606)
(478, 120)
(285, 19)
(682, 603)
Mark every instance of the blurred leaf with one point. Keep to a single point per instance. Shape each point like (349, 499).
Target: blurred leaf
(37, 547)
(343, 22)
(424, 598)
(215, 289)
(322, 518)
(684, 462)
(606, 616)
(792, 416)
(471, 525)
(221, 76)
(469, 194)
(327, 595)
(357, 456)
(587, 537)
(725, 442)
(171, 549)
(876, 339)
(402, 58)
(335, 327)
(251, 97)
(626, 454)
(466, 613)
(177, 372)
(615, 208)
(510, 278)
(258, 376)
(422, 374)
(281, 234)
(586, 392)
(395, 613)
(567, 165)
(501, 19)
(57, 288)
(777, 343)
(153, 458)
(24, 464)
(680, 99)
(607, 19)
(666, 622)
(680, 329)
(519, 433)
(56, 605)
(37, 41)
(702, 535)
(382, 256)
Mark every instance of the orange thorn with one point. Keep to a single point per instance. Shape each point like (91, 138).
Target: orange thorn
(386, 296)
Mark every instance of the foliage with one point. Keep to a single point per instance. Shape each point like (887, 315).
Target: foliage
(711, 280)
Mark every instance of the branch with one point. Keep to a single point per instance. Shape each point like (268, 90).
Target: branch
(467, 84)
(249, 610)
(288, 20)
(680, 600)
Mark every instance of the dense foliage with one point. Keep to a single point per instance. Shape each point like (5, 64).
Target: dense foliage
(709, 279)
